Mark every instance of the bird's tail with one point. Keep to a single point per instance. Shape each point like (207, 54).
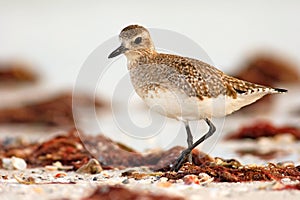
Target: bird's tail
(278, 90)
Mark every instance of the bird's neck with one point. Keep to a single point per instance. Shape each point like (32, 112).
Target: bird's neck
(137, 57)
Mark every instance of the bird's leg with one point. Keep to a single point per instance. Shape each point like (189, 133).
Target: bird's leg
(189, 140)
(176, 166)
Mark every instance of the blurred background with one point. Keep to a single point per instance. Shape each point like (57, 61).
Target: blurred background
(58, 37)
(55, 39)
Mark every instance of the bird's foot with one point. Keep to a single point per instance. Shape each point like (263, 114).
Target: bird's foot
(185, 154)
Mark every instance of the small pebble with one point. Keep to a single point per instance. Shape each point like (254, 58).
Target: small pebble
(190, 179)
(14, 163)
(163, 179)
(286, 180)
(125, 181)
(60, 175)
(164, 184)
(92, 167)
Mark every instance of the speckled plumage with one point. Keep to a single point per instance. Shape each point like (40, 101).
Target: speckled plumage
(154, 73)
(194, 77)
(183, 88)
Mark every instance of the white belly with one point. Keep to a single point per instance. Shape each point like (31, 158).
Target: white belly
(182, 107)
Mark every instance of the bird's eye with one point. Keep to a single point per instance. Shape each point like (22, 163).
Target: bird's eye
(138, 40)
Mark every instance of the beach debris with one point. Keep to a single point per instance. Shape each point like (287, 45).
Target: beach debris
(92, 167)
(14, 163)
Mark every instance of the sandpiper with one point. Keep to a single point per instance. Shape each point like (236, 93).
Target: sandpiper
(183, 88)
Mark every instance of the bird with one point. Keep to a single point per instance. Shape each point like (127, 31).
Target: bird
(183, 88)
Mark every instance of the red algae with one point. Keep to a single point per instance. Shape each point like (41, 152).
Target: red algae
(263, 129)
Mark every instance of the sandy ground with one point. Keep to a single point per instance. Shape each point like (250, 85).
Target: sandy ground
(76, 186)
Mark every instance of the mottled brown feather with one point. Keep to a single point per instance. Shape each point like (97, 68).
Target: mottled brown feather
(194, 77)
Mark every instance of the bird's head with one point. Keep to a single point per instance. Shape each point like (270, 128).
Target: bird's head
(133, 38)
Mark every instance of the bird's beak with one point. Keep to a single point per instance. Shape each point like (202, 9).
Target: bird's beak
(121, 49)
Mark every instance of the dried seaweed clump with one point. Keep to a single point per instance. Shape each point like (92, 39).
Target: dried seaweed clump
(16, 73)
(54, 111)
(263, 129)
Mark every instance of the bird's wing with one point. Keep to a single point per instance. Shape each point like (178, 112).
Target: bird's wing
(241, 86)
(220, 83)
(201, 79)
